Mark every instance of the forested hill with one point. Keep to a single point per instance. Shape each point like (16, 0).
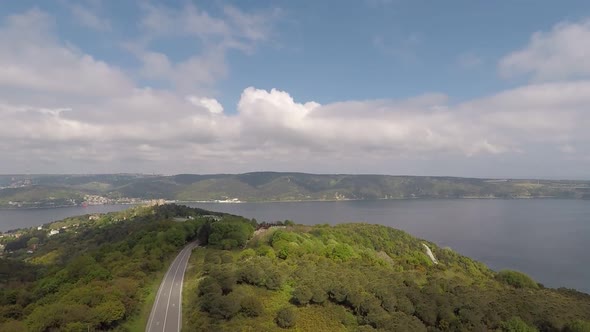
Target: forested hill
(100, 272)
(59, 190)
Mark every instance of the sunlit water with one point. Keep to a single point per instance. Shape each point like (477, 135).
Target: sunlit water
(546, 238)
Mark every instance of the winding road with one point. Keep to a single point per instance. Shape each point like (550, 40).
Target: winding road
(166, 315)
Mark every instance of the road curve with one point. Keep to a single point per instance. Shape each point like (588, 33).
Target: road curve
(166, 315)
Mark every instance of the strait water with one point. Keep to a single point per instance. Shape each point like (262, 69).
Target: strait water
(545, 238)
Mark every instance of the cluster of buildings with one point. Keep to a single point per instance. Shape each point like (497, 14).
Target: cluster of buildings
(18, 183)
(96, 200)
(101, 200)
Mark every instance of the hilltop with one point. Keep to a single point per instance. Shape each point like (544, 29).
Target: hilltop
(67, 190)
(100, 273)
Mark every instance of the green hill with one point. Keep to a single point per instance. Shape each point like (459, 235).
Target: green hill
(47, 190)
(101, 272)
(360, 277)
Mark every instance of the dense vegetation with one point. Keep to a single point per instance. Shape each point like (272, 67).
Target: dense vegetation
(99, 272)
(269, 186)
(359, 277)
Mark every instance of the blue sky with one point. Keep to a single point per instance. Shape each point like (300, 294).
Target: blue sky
(465, 88)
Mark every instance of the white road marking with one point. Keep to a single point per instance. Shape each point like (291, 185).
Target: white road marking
(181, 261)
(190, 251)
(153, 312)
(183, 254)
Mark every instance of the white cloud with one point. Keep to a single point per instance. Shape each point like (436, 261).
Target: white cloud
(88, 18)
(68, 112)
(212, 105)
(164, 21)
(198, 72)
(215, 35)
(233, 29)
(561, 53)
(32, 59)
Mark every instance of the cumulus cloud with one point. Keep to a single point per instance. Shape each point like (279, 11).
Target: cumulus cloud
(66, 111)
(561, 53)
(33, 59)
(210, 104)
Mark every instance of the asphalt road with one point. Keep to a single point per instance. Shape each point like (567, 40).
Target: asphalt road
(166, 315)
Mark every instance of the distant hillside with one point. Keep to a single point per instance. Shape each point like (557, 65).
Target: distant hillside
(48, 190)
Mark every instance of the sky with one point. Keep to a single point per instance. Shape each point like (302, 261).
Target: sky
(491, 89)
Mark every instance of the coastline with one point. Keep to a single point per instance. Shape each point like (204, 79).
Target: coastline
(303, 200)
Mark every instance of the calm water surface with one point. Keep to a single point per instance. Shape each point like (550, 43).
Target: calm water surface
(546, 238)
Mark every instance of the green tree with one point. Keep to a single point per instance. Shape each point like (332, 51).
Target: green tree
(226, 278)
(225, 306)
(516, 279)
(109, 312)
(32, 242)
(515, 324)
(251, 274)
(577, 326)
(302, 295)
(286, 317)
(251, 306)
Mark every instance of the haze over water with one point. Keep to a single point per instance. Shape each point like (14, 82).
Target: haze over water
(544, 238)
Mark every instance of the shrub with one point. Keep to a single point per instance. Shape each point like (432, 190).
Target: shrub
(225, 306)
(302, 295)
(577, 326)
(251, 274)
(247, 254)
(515, 324)
(516, 279)
(251, 306)
(286, 318)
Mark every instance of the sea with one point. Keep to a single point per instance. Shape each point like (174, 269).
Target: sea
(549, 239)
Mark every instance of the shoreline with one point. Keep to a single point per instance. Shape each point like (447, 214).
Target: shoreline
(301, 201)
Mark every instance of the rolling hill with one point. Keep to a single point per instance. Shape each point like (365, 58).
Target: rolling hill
(46, 190)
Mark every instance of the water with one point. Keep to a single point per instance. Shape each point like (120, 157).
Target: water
(13, 219)
(544, 238)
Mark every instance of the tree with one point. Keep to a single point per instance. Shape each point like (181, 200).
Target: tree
(32, 242)
(515, 324)
(302, 295)
(209, 285)
(225, 306)
(577, 326)
(226, 278)
(108, 312)
(251, 274)
(318, 295)
(286, 318)
(274, 279)
(251, 306)
(516, 279)
(230, 233)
